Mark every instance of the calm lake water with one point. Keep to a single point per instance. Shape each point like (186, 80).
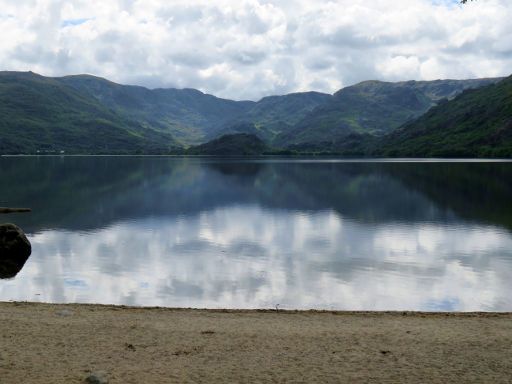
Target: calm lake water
(174, 232)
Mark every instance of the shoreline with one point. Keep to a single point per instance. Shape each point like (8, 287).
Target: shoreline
(305, 156)
(64, 343)
(267, 310)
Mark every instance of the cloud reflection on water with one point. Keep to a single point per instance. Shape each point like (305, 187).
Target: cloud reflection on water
(246, 256)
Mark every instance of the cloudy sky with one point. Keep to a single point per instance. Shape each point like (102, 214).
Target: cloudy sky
(245, 49)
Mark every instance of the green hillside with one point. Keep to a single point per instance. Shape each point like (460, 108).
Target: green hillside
(188, 114)
(478, 123)
(275, 115)
(42, 115)
(372, 107)
(86, 103)
(239, 144)
(87, 114)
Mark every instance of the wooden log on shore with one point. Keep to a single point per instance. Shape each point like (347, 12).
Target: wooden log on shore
(14, 210)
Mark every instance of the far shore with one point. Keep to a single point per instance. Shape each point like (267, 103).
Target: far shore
(300, 156)
(54, 343)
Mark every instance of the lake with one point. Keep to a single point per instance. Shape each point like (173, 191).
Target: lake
(213, 233)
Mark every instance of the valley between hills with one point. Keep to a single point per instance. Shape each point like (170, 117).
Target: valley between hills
(84, 114)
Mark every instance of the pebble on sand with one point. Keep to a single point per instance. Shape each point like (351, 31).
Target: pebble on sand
(97, 378)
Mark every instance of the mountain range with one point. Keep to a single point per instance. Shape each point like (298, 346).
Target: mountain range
(88, 114)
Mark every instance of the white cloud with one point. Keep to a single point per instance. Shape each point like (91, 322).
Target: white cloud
(399, 67)
(250, 48)
(249, 257)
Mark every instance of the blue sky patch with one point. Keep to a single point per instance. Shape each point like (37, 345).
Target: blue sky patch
(73, 22)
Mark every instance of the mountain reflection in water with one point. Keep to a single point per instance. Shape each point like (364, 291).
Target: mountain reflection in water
(250, 234)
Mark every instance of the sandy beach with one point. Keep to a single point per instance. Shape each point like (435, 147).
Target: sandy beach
(43, 343)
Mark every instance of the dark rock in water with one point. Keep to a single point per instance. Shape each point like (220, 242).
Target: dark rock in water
(9, 268)
(13, 241)
(14, 250)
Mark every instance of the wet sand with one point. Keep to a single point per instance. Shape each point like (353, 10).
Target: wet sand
(41, 343)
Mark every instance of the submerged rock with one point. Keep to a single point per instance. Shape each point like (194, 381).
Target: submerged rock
(14, 250)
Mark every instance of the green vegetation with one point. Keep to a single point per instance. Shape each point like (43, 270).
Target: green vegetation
(371, 108)
(41, 115)
(276, 115)
(478, 123)
(189, 115)
(193, 117)
(89, 115)
(238, 144)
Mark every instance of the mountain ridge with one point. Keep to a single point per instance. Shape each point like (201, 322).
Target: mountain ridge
(90, 114)
(41, 115)
(476, 123)
(374, 107)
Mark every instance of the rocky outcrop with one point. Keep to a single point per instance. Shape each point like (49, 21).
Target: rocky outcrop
(14, 250)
